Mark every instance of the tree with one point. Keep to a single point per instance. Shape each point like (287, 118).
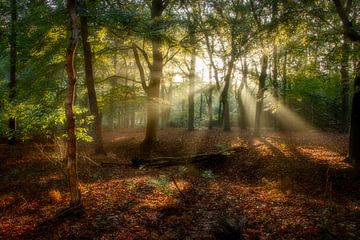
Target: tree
(350, 32)
(90, 84)
(191, 113)
(260, 94)
(345, 81)
(71, 148)
(12, 84)
(156, 70)
(239, 96)
(225, 23)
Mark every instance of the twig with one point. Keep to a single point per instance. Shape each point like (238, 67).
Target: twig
(177, 187)
(91, 160)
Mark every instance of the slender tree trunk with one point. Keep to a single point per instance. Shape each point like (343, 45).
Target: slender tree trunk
(191, 114)
(241, 106)
(284, 78)
(71, 155)
(220, 112)
(90, 85)
(201, 106)
(163, 105)
(132, 115)
(345, 81)
(155, 78)
(260, 95)
(275, 82)
(12, 84)
(225, 97)
(111, 105)
(354, 143)
(210, 107)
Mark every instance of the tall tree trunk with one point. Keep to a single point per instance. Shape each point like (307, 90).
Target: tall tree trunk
(153, 89)
(201, 106)
(191, 102)
(163, 105)
(260, 95)
(90, 84)
(241, 106)
(75, 197)
(275, 82)
(220, 112)
(210, 107)
(225, 97)
(112, 105)
(354, 143)
(284, 78)
(353, 34)
(12, 84)
(345, 81)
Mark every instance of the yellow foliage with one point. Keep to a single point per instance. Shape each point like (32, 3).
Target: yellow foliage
(55, 195)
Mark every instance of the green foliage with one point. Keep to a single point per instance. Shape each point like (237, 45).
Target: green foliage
(207, 174)
(163, 183)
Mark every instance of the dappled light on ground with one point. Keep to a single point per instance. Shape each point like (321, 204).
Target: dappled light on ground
(287, 185)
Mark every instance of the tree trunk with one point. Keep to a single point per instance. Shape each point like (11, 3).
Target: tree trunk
(284, 78)
(112, 105)
(90, 84)
(220, 112)
(210, 108)
(350, 32)
(12, 84)
(354, 143)
(241, 106)
(260, 95)
(153, 89)
(163, 105)
(275, 67)
(75, 198)
(201, 106)
(225, 97)
(345, 81)
(191, 114)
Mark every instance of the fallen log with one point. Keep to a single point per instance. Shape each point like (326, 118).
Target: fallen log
(159, 162)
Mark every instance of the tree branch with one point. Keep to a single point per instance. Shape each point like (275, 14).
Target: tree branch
(144, 54)
(141, 70)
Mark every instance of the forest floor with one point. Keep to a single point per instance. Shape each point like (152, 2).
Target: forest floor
(287, 185)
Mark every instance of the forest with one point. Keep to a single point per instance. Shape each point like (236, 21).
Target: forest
(188, 119)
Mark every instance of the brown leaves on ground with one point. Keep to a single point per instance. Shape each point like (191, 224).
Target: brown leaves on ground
(288, 186)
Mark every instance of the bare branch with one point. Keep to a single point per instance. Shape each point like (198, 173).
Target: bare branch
(146, 57)
(171, 57)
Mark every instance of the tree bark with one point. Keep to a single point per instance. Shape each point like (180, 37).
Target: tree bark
(12, 84)
(284, 78)
(240, 100)
(210, 108)
(354, 148)
(191, 102)
(225, 96)
(275, 82)
(260, 95)
(345, 81)
(71, 155)
(350, 32)
(153, 88)
(90, 84)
